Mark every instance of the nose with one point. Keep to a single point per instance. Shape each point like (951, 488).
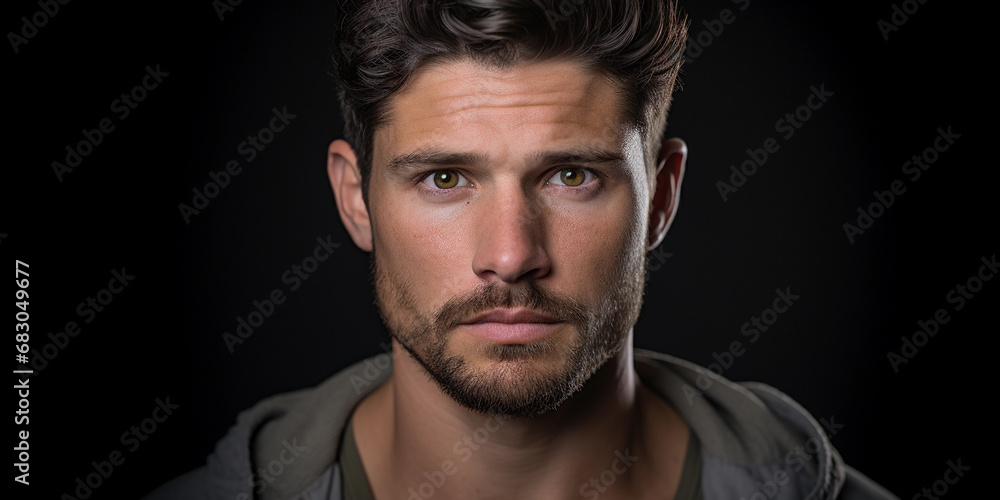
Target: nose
(511, 242)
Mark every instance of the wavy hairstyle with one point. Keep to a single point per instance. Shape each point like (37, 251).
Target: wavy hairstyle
(381, 43)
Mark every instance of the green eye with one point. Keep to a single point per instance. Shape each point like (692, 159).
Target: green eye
(445, 179)
(572, 176)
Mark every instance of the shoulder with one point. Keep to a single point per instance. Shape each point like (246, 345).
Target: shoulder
(298, 431)
(753, 434)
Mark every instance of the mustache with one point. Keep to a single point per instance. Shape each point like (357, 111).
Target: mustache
(487, 296)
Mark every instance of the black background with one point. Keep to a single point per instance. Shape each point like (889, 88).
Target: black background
(162, 336)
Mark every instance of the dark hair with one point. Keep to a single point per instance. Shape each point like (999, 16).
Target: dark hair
(380, 43)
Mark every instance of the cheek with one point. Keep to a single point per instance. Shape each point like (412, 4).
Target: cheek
(591, 248)
(426, 249)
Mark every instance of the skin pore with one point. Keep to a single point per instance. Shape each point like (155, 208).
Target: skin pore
(521, 190)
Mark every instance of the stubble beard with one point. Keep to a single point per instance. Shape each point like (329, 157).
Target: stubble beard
(521, 380)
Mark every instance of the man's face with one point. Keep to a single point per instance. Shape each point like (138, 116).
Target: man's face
(509, 211)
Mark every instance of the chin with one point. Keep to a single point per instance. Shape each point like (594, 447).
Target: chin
(516, 380)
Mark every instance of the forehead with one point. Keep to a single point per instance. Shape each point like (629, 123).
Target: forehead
(502, 111)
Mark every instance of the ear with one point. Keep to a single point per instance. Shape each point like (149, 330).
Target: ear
(345, 179)
(669, 173)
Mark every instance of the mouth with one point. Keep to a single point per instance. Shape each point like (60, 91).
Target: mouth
(512, 326)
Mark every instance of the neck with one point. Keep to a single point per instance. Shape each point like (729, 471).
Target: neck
(411, 435)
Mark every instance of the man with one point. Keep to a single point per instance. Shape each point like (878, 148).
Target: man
(505, 167)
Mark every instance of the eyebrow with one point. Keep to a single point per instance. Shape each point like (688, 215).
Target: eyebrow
(586, 156)
(403, 164)
(400, 165)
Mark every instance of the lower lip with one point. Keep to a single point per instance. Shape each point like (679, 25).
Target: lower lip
(511, 333)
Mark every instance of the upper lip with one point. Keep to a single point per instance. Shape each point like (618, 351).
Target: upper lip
(509, 316)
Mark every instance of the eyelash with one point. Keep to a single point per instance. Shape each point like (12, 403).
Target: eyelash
(591, 180)
(426, 179)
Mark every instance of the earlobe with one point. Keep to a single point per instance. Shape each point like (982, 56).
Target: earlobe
(669, 174)
(345, 179)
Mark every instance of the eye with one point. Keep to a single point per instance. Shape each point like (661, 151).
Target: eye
(572, 176)
(445, 179)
